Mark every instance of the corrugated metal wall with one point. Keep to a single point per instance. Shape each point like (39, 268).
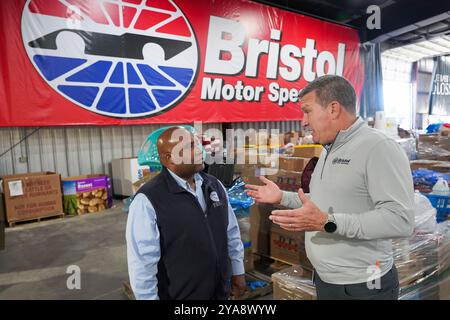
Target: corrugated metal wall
(73, 151)
(283, 126)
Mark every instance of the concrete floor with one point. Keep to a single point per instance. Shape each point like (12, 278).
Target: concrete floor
(36, 257)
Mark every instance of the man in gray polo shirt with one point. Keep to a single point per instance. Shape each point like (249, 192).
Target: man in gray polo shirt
(361, 196)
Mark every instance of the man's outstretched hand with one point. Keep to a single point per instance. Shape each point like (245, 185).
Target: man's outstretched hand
(267, 193)
(306, 218)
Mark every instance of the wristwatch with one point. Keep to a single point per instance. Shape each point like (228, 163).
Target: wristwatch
(330, 226)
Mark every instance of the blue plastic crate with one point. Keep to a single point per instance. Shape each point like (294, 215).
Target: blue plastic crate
(441, 204)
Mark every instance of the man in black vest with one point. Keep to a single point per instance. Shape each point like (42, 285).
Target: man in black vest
(183, 241)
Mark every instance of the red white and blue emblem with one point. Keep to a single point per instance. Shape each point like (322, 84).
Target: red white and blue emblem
(119, 58)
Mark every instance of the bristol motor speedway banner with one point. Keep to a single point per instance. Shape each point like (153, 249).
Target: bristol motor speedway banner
(122, 62)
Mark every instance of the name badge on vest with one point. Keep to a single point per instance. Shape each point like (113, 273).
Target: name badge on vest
(215, 198)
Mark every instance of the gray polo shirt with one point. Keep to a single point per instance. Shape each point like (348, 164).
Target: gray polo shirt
(364, 176)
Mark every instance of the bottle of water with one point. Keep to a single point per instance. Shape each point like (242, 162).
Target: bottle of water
(441, 187)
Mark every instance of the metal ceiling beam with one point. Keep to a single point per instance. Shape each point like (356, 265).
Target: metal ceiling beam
(401, 15)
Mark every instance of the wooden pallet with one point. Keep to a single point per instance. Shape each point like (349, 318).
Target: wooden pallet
(281, 262)
(14, 223)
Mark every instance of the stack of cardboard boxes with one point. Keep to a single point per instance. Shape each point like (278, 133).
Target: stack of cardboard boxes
(267, 238)
(272, 241)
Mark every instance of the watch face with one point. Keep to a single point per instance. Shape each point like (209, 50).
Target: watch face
(330, 227)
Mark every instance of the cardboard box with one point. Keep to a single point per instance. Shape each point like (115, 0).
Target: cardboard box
(259, 156)
(277, 140)
(429, 138)
(268, 239)
(146, 178)
(293, 283)
(444, 142)
(288, 246)
(422, 164)
(308, 150)
(260, 227)
(125, 172)
(287, 180)
(87, 194)
(293, 163)
(32, 195)
(442, 166)
(248, 259)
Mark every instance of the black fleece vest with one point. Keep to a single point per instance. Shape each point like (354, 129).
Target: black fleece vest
(194, 260)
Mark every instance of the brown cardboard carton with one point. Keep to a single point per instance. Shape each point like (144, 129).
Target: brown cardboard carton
(147, 177)
(308, 151)
(32, 195)
(422, 164)
(260, 227)
(442, 166)
(293, 283)
(444, 142)
(287, 180)
(289, 246)
(429, 138)
(277, 140)
(249, 173)
(293, 163)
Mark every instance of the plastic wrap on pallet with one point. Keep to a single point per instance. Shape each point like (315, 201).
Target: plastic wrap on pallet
(240, 203)
(423, 261)
(239, 200)
(293, 283)
(433, 147)
(409, 145)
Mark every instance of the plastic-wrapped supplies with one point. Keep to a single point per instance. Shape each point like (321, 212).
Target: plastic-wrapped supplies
(409, 145)
(424, 215)
(423, 260)
(293, 283)
(241, 202)
(433, 146)
(425, 179)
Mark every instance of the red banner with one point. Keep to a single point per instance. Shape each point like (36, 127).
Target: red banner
(102, 62)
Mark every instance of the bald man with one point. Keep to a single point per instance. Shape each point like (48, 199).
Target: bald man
(183, 240)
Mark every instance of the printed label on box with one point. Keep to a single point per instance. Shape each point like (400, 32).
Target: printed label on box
(15, 188)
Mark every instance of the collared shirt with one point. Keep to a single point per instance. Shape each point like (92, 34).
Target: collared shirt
(143, 246)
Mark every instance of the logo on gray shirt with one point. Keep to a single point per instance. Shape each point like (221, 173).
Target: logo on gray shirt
(341, 161)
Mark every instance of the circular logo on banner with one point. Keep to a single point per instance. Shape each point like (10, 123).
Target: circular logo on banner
(129, 58)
